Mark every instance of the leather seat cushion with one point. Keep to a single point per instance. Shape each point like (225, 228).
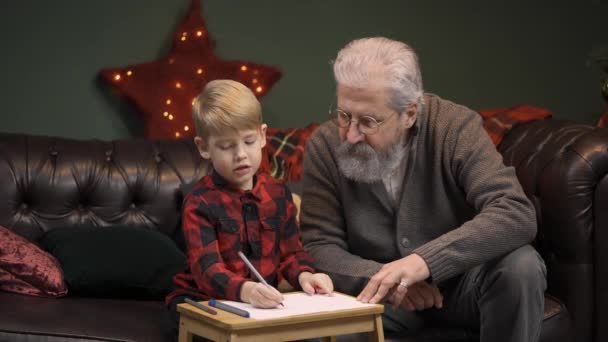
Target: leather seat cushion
(82, 318)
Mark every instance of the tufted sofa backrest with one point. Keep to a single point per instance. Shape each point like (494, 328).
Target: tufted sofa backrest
(563, 169)
(48, 183)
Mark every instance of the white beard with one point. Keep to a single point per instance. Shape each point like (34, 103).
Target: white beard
(360, 162)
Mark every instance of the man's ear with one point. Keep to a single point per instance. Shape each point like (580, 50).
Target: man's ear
(201, 145)
(263, 129)
(411, 112)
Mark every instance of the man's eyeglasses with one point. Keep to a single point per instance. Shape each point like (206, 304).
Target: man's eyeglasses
(366, 124)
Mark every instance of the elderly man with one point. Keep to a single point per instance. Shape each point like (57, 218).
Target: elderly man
(407, 202)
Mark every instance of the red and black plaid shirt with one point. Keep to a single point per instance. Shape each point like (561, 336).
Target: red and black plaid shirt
(219, 221)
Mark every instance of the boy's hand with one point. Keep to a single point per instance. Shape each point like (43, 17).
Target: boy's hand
(260, 295)
(316, 283)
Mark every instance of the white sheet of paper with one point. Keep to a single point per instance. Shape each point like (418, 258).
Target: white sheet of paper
(300, 303)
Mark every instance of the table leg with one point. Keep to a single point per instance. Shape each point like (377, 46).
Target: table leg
(185, 335)
(378, 334)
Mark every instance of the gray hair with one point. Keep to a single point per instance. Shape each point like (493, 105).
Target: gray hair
(395, 62)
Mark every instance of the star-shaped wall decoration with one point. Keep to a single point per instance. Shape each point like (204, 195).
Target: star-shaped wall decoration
(163, 90)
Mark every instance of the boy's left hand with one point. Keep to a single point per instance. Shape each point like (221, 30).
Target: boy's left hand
(316, 283)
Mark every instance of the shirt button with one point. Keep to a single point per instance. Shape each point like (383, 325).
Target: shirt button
(405, 242)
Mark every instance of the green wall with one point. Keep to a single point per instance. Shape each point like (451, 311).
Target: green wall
(483, 54)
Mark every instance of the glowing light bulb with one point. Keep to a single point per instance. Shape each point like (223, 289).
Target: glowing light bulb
(129, 72)
(178, 85)
(177, 134)
(184, 33)
(254, 81)
(199, 71)
(259, 89)
(183, 38)
(199, 33)
(243, 68)
(170, 116)
(166, 114)
(168, 101)
(186, 128)
(116, 77)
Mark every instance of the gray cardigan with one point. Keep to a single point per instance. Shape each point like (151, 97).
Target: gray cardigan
(460, 206)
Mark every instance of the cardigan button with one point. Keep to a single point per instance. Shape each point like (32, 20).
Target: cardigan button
(405, 242)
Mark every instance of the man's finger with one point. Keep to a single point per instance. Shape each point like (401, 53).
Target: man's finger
(382, 291)
(398, 296)
(437, 297)
(407, 304)
(426, 293)
(416, 299)
(368, 291)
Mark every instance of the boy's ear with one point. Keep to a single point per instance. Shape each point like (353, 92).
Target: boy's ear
(263, 129)
(202, 147)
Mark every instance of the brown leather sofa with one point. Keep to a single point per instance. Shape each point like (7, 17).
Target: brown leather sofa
(562, 167)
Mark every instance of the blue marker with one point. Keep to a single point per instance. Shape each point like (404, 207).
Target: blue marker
(229, 308)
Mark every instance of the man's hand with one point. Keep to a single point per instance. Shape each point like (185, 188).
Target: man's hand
(400, 274)
(316, 283)
(419, 296)
(260, 295)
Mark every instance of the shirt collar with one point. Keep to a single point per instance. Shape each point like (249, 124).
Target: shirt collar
(258, 183)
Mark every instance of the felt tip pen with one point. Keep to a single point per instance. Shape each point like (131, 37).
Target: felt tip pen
(201, 306)
(229, 308)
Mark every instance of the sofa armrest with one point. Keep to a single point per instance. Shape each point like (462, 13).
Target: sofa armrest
(563, 169)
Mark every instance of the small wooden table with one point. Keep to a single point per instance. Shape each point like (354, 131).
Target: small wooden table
(226, 326)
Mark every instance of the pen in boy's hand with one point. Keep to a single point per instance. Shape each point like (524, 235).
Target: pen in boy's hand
(255, 272)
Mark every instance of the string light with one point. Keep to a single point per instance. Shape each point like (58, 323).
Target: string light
(178, 85)
(166, 114)
(177, 134)
(170, 116)
(199, 71)
(168, 102)
(259, 89)
(199, 33)
(129, 72)
(243, 68)
(117, 77)
(186, 128)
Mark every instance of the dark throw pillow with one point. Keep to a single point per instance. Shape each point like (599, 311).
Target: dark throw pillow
(116, 262)
(27, 269)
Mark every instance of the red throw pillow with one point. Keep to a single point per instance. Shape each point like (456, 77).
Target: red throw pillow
(603, 122)
(499, 122)
(27, 269)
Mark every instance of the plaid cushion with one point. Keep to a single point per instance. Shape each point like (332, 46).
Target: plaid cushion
(284, 151)
(285, 147)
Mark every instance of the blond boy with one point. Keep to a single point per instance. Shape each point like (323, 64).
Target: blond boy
(236, 208)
